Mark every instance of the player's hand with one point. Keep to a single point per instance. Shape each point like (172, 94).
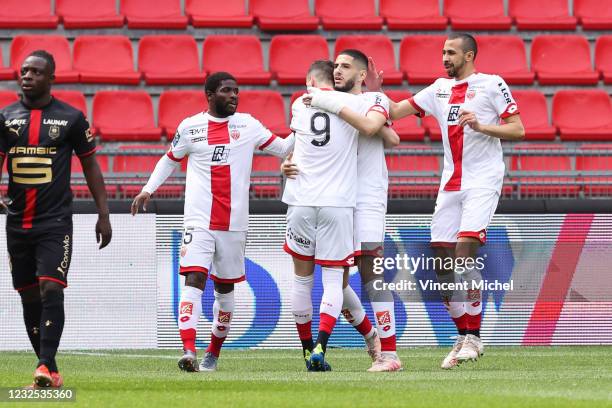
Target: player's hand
(104, 232)
(4, 203)
(142, 199)
(307, 99)
(469, 118)
(289, 168)
(374, 79)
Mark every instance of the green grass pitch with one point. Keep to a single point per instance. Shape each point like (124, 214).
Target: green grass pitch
(504, 377)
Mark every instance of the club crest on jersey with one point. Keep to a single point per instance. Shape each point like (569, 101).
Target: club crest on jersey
(470, 94)
(54, 132)
(453, 114)
(220, 154)
(235, 134)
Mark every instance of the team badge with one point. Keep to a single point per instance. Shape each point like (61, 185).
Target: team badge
(186, 308)
(54, 132)
(89, 136)
(470, 94)
(383, 318)
(235, 134)
(225, 317)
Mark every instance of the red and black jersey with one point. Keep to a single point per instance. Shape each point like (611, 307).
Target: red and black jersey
(38, 145)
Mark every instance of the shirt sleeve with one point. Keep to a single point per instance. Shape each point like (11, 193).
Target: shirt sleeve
(83, 141)
(424, 101)
(378, 102)
(501, 98)
(280, 147)
(179, 148)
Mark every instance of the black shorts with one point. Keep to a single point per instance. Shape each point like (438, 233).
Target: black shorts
(39, 255)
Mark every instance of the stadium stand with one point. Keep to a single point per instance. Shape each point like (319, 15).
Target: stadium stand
(8, 97)
(407, 128)
(174, 106)
(57, 45)
(105, 59)
(81, 190)
(162, 14)
(541, 15)
(379, 47)
(348, 14)
(412, 15)
(265, 186)
(220, 53)
(169, 59)
(212, 13)
(477, 15)
(562, 59)
(35, 14)
(432, 127)
(593, 14)
(291, 56)
(124, 116)
(266, 106)
(595, 185)
(88, 14)
(413, 185)
(504, 55)
(74, 98)
(603, 57)
(583, 114)
(6, 73)
(279, 15)
(534, 115)
(421, 58)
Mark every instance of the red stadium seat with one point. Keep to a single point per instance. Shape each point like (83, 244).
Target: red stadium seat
(291, 56)
(541, 15)
(583, 114)
(266, 186)
(76, 99)
(412, 15)
(213, 13)
(161, 14)
(603, 57)
(174, 106)
(57, 45)
(88, 13)
(7, 98)
(430, 123)
(6, 73)
(413, 185)
(407, 128)
(169, 59)
(562, 59)
(593, 14)
(81, 190)
(477, 15)
(545, 185)
(266, 106)
(274, 15)
(105, 59)
(380, 48)
(421, 58)
(595, 185)
(534, 115)
(221, 51)
(504, 56)
(27, 14)
(348, 14)
(124, 115)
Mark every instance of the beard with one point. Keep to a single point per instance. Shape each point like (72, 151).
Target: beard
(223, 110)
(348, 85)
(453, 70)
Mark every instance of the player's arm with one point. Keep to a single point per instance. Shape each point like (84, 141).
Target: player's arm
(3, 149)
(511, 129)
(401, 109)
(278, 146)
(95, 182)
(389, 136)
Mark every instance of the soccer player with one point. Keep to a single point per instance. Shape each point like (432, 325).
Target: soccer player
(38, 138)
(475, 111)
(219, 144)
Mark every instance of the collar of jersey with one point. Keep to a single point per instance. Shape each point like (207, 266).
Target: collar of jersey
(465, 79)
(218, 120)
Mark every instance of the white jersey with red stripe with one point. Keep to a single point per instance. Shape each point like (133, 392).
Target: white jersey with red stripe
(220, 154)
(471, 159)
(372, 175)
(326, 154)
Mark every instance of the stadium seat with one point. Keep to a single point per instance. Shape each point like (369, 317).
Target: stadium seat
(88, 14)
(169, 59)
(380, 48)
(76, 99)
(348, 14)
(269, 185)
(603, 57)
(595, 185)
(266, 106)
(407, 128)
(81, 190)
(124, 115)
(534, 115)
(583, 114)
(421, 58)
(27, 14)
(504, 56)
(431, 125)
(543, 185)
(105, 59)
(174, 106)
(541, 15)
(477, 15)
(423, 180)
(593, 14)
(57, 45)
(272, 15)
(291, 56)
(221, 51)
(412, 15)
(8, 97)
(212, 13)
(6, 73)
(562, 59)
(161, 14)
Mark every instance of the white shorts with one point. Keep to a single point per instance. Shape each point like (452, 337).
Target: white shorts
(369, 231)
(322, 234)
(464, 213)
(221, 250)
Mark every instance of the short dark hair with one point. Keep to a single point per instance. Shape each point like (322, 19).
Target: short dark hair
(323, 70)
(48, 57)
(357, 55)
(214, 80)
(468, 42)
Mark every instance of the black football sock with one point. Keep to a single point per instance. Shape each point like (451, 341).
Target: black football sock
(51, 327)
(475, 332)
(307, 345)
(322, 339)
(31, 318)
(462, 332)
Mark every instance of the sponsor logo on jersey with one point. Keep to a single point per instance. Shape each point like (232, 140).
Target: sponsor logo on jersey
(298, 239)
(55, 122)
(177, 137)
(15, 122)
(66, 258)
(453, 114)
(220, 154)
(186, 308)
(198, 131)
(54, 132)
(234, 134)
(89, 135)
(383, 317)
(504, 92)
(224, 317)
(442, 94)
(33, 150)
(199, 139)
